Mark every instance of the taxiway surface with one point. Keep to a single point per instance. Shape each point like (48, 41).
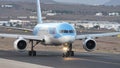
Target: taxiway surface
(45, 59)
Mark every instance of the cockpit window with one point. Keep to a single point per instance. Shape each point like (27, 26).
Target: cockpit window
(71, 31)
(64, 31)
(67, 31)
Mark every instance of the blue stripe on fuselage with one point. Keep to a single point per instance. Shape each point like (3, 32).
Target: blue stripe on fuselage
(57, 29)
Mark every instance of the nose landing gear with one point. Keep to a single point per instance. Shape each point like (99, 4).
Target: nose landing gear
(68, 50)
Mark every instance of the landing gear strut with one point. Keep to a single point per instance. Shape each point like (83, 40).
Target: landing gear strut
(68, 52)
(32, 52)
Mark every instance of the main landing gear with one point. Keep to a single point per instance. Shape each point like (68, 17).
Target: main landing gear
(68, 50)
(32, 52)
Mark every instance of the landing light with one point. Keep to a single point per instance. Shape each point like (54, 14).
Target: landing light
(65, 49)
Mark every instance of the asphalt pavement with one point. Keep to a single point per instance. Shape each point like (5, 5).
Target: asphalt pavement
(52, 59)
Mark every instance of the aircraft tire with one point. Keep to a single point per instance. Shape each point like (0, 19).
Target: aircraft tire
(32, 53)
(68, 54)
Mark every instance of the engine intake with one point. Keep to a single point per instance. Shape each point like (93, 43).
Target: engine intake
(89, 44)
(20, 44)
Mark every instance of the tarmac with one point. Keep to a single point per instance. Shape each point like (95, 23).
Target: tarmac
(50, 59)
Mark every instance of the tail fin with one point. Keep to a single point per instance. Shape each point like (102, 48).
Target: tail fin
(39, 12)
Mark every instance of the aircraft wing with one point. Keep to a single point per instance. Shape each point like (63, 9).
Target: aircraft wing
(80, 37)
(28, 37)
(16, 28)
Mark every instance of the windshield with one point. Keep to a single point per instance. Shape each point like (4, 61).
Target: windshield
(66, 31)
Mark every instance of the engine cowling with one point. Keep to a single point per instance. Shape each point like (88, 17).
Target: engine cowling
(89, 44)
(20, 44)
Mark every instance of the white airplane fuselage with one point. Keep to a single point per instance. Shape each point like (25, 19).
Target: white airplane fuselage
(55, 33)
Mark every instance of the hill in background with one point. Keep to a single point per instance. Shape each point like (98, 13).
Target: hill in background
(63, 11)
(113, 2)
(87, 2)
(30, 1)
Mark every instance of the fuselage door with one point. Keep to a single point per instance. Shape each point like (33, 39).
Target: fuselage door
(52, 31)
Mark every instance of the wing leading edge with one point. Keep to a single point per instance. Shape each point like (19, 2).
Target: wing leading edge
(15, 28)
(28, 37)
(78, 37)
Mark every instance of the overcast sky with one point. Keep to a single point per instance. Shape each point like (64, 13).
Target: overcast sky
(85, 1)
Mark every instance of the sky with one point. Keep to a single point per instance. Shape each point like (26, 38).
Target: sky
(93, 2)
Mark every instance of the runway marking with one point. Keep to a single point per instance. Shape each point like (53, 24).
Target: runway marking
(5, 63)
(99, 61)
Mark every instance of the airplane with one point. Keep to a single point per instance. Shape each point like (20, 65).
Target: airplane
(57, 34)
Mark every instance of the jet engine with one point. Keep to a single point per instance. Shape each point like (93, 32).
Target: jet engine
(20, 44)
(89, 44)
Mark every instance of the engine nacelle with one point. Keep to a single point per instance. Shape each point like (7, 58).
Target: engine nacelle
(20, 44)
(89, 44)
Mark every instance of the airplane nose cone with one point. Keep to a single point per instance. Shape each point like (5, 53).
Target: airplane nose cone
(69, 39)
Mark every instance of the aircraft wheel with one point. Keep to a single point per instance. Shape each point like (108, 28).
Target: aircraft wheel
(32, 53)
(68, 54)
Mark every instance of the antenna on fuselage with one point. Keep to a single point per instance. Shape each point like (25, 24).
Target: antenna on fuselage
(39, 12)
